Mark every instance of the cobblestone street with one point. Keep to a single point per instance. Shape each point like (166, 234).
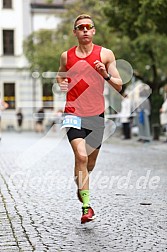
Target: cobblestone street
(39, 209)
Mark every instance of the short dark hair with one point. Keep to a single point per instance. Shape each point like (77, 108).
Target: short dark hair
(82, 16)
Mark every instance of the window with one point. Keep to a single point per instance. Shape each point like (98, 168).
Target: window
(8, 42)
(9, 94)
(7, 4)
(47, 95)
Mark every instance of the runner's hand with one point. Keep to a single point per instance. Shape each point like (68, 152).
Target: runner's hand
(64, 85)
(100, 67)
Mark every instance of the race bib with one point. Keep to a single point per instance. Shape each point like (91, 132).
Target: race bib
(71, 121)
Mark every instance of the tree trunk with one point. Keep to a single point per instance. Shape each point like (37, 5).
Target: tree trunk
(156, 101)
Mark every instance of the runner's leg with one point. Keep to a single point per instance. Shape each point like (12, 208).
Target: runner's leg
(81, 161)
(92, 160)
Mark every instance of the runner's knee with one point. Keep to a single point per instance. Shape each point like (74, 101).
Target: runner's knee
(81, 160)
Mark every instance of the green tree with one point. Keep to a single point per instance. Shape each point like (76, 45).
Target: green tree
(41, 49)
(142, 40)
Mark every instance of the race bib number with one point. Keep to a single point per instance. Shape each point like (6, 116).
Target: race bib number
(71, 121)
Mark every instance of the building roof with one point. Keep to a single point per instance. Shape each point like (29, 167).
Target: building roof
(44, 4)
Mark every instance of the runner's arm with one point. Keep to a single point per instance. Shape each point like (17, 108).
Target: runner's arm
(115, 79)
(61, 76)
(108, 66)
(62, 68)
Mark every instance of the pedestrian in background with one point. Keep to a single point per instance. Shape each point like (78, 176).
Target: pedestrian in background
(125, 114)
(40, 115)
(163, 117)
(19, 116)
(52, 119)
(56, 119)
(59, 115)
(3, 105)
(143, 113)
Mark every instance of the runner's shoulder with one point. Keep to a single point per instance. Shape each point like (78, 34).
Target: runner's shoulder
(64, 55)
(107, 52)
(107, 55)
(64, 58)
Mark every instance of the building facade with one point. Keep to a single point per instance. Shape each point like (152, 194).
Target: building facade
(18, 19)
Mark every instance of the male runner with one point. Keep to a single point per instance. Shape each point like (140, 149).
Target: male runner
(87, 66)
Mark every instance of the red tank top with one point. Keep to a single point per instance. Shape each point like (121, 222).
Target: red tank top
(86, 85)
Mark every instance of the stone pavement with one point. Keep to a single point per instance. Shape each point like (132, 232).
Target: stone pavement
(39, 210)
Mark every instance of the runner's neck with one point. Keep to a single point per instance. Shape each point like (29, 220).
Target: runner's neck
(84, 50)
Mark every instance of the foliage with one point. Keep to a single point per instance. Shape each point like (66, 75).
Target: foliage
(143, 22)
(141, 27)
(41, 49)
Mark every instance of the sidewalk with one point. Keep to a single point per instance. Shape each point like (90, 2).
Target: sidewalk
(39, 210)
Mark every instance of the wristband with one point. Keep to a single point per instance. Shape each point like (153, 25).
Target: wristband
(109, 77)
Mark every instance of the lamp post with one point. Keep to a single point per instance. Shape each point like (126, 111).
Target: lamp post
(35, 76)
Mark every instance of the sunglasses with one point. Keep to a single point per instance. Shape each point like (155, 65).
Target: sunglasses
(81, 27)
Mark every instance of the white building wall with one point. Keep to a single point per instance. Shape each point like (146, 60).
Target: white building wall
(14, 68)
(23, 20)
(12, 19)
(45, 21)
